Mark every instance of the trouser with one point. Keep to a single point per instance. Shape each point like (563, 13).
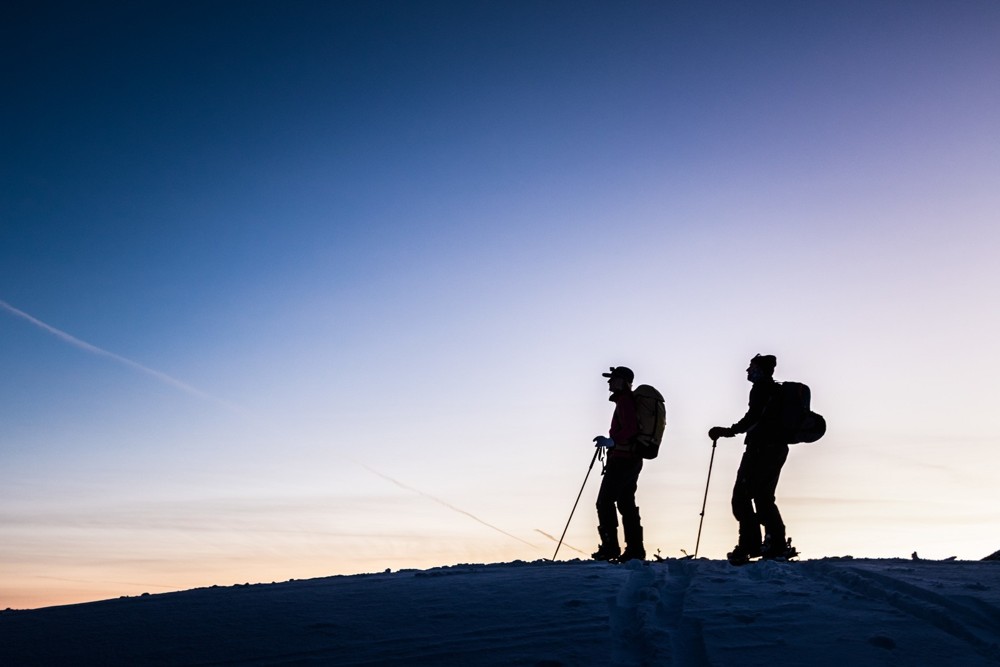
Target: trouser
(618, 485)
(753, 495)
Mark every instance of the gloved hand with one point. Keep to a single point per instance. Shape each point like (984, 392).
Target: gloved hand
(717, 432)
(603, 441)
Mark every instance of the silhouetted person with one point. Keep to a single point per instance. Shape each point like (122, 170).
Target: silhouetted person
(757, 477)
(620, 475)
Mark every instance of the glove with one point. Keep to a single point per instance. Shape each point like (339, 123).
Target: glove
(603, 441)
(717, 432)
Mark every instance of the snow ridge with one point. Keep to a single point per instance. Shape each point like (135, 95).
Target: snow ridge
(687, 637)
(635, 634)
(692, 613)
(647, 619)
(969, 619)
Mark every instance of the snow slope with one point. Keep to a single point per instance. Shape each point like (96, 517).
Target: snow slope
(679, 612)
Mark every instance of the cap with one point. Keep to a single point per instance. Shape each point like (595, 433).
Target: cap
(768, 361)
(620, 372)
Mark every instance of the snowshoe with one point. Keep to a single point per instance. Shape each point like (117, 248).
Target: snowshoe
(783, 552)
(606, 553)
(740, 555)
(631, 554)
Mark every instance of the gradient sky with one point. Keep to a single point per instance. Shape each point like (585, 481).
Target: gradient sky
(304, 288)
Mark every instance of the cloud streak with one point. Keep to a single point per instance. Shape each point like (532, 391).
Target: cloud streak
(551, 537)
(442, 502)
(134, 365)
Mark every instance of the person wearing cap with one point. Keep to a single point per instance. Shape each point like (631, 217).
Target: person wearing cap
(620, 475)
(757, 477)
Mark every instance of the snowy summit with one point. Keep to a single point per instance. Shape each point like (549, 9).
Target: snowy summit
(832, 612)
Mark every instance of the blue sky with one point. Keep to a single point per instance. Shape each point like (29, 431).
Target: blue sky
(410, 236)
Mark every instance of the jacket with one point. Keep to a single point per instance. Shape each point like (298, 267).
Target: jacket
(624, 424)
(760, 423)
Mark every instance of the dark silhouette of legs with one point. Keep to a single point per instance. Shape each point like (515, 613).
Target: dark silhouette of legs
(753, 497)
(617, 494)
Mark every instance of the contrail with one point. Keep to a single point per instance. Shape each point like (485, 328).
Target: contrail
(538, 530)
(93, 349)
(441, 502)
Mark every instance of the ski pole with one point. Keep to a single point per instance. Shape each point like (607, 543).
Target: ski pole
(704, 500)
(597, 450)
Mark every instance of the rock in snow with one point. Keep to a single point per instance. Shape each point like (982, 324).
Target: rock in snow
(831, 612)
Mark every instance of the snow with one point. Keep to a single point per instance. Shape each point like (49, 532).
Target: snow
(676, 612)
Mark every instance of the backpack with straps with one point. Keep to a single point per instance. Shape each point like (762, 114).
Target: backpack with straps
(797, 422)
(652, 413)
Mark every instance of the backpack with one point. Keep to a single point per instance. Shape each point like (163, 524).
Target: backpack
(652, 414)
(796, 421)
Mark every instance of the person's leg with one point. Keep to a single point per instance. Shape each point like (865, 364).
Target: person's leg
(607, 517)
(743, 508)
(765, 484)
(631, 522)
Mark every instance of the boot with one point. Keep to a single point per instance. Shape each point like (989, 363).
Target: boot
(609, 548)
(750, 542)
(633, 545)
(777, 546)
(740, 555)
(746, 549)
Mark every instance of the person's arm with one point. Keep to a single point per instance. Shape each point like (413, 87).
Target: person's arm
(758, 402)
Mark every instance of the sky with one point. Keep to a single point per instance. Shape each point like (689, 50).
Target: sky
(307, 288)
